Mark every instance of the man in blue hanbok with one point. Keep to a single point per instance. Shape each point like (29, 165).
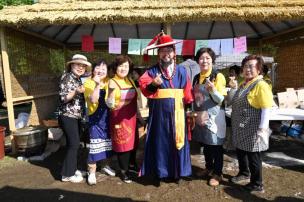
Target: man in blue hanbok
(168, 88)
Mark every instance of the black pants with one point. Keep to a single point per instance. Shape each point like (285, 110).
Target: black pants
(214, 156)
(71, 128)
(250, 163)
(125, 159)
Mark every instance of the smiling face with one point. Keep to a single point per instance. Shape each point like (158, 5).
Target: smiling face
(250, 69)
(78, 69)
(166, 55)
(123, 70)
(205, 62)
(101, 70)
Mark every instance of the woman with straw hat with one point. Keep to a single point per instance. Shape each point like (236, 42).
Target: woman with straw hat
(71, 111)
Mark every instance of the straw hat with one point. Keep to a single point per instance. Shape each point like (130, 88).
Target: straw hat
(79, 59)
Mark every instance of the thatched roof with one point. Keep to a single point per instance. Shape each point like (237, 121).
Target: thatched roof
(148, 11)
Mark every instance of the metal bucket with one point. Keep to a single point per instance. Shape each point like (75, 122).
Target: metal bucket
(31, 140)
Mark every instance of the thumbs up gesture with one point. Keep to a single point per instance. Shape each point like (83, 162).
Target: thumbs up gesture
(232, 82)
(157, 81)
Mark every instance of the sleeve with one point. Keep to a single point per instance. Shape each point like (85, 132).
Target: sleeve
(265, 116)
(145, 84)
(220, 84)
(264, 95)
(188, 96)
(65, 87)
(89, 88)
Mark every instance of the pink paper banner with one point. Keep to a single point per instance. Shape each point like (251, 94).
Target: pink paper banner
(115, 45)
(240, 44)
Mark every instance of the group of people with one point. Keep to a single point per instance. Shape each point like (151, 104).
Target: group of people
(171, 91)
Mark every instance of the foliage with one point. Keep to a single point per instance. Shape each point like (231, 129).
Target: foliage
(15, 2)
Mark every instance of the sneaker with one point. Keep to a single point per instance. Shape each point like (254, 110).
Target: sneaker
(92, 179)
(215, 180)
(125, 178)
(240, 179)
(254, 188)
(80, 173)
(134, 169)
(73, 179)
(109, 170)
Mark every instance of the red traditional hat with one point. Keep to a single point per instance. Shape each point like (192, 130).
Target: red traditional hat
(161, 40)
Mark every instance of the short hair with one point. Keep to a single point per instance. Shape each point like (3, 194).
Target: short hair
(236, 68)
(258, 58)
(265, 69)
(120, 59)
(201, 51)
(98, 63)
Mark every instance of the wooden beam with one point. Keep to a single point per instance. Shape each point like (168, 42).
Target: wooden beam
(7, 80)
(284, 32)
(59, 31)
(71, 33)
(32, 97)
(232, 28)
(251, 25)
(167, 29)
(44, 29)
(137, 31)
(113, 30)
(38, 36)
(287, 24)
(186, 31)
(269, 27)
(210, 30)
(93, 29)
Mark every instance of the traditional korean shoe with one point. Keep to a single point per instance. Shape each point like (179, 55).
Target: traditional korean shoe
(215, 180)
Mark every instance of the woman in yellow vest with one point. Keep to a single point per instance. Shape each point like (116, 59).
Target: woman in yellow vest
(123, 103)
(209, 88)
(100, 140)
(251, 104)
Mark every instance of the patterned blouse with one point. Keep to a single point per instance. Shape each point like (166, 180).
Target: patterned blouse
(75, 107)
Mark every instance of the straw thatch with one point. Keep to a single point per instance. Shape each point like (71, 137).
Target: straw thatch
(149, 11)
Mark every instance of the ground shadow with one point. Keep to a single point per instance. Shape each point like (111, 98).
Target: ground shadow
(12, 194)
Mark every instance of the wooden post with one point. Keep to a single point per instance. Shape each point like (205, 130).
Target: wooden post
(7, 81)
(167, 28)
(7, 86)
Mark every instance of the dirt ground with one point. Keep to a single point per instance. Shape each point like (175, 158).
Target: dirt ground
(40, 181)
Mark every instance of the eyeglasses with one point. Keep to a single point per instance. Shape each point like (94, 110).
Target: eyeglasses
(249, 66)
(79, 66)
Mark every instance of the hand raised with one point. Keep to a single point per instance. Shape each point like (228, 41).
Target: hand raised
(80, 89)
(157, 80)
(209, 85)
(97, 79)
(232, 82)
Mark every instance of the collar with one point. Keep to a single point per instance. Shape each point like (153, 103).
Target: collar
(246, 84)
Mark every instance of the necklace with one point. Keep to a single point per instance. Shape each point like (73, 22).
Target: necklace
(165, 75)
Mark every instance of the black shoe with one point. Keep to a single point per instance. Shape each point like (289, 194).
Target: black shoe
(125, 178)
(134, 169)
(239, 179)
(254, 188)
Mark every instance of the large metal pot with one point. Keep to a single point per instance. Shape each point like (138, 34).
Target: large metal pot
(31, 140)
